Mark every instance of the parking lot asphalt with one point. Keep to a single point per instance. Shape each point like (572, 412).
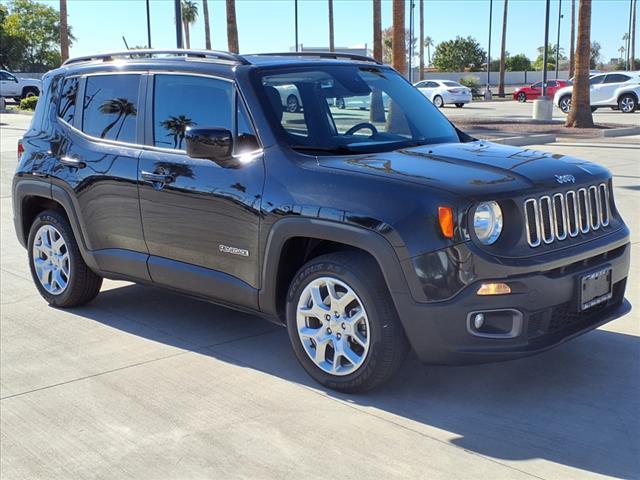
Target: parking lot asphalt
(143, 383)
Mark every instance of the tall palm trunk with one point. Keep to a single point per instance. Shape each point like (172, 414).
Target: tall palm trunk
(232, 27)
(421, 39)
(64, 32)
(503, 49)
(396, 122)
(572, 48)
(332, 47)
(633, 35)
(377, 106)
(580, 113)
(207, 30)
(187, 38)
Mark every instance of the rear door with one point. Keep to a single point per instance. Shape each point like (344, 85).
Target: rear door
(606, 92)
(201, 222)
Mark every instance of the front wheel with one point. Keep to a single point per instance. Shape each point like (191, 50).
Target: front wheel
(342, 323)
(459, 105)
(438, 102)
(522, 97)
(627, 103)
(57, 268)
(565, 104)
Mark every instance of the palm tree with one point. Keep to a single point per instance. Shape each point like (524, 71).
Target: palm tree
(189, 16)
(625, 39)
(121, 107)
(633, 35)
(428, 42)
(580, 113)
(207, 30)
(398, 46)
(64, 32)
(177, 127)
(232, 27)
(421, 39)
(503, 49)
(332, 47)
(376, 114)
(573, 39)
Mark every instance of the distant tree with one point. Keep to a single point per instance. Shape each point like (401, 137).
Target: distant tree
(30, 36)
(428, 42)
(580, 114)
(232, 27)
(207, 28)
(551, 57)
(459, 55)
(387, 44)
(518, 63)
(189, 16)
(594, 55)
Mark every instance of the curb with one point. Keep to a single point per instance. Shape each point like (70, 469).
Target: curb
(620, 132)
(16, 112)
(526, 140)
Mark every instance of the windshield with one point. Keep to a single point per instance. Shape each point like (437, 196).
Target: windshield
(341, 109)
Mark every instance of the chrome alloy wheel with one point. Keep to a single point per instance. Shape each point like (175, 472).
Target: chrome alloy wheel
(51, 259)
(627, 104)
(565, 104)
(333, 326)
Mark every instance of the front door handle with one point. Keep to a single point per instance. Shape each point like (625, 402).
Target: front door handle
(156, 177)
(72, 162)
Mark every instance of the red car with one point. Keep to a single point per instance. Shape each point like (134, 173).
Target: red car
(534, 91)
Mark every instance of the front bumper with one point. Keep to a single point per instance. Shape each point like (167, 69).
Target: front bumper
(547, 301)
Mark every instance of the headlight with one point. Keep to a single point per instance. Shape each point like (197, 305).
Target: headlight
(487, 222)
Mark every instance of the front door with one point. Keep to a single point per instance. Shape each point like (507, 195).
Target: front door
(9, 86)
(200, 219)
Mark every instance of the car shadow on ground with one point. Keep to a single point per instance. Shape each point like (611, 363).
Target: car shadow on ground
(576, 405)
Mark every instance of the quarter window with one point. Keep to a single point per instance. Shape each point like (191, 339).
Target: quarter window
(111, 107)
(67, 106)
(182, 101)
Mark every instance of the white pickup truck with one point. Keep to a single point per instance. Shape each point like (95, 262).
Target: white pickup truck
(18, 88)
(618, 90)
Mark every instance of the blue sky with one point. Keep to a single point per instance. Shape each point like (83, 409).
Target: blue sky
(267, 25)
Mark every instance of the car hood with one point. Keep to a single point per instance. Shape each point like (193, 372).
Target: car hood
(473, 169)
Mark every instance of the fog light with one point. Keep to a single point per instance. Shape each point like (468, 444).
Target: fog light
(494, 289)
(478, 321)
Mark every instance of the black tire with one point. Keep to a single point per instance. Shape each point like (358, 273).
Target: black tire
(83, 284)
(565, 104)
(522, 97)
(292, 104)
(593, 109)
(340, 103)
(627, 103)
(30, 92)
(459, 105)
(438, 101)
(388, 342)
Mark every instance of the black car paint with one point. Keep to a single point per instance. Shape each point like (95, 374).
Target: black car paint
(170, 233)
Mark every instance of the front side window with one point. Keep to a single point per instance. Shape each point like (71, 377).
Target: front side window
(596, 80)
(537, 85)
(111, 107)
(67, 106)
(6, 76)
(351, 108)
(182, 101)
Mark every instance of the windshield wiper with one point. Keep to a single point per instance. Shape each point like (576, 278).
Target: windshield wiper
(337, 150)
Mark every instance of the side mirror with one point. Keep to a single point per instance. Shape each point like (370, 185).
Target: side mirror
(212, 143)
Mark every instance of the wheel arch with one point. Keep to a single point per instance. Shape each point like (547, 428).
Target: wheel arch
(304, 239)
(628, 92)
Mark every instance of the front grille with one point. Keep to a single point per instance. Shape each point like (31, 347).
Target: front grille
(566, 215)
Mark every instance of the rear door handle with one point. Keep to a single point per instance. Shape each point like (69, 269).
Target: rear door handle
(72, 162)
(156, 177)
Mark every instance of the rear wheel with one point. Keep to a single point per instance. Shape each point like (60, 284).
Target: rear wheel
(459, 105)
(340, 103)
(438, 101)
(342, 323)
(522, 97)
(30, 92)
(292, 104)
(57, 268)
(627, 103)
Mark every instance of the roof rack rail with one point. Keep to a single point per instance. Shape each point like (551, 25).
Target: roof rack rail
(333, 55)
(150, 52)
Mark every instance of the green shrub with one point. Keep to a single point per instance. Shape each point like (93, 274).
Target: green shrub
(472, 82)
(28, 103)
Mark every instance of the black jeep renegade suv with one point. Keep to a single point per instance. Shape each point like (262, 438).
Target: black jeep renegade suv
(238, 179)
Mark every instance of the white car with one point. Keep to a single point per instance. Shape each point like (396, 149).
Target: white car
(18, 88)
(360, 102)
(618, 90)
(443, 92)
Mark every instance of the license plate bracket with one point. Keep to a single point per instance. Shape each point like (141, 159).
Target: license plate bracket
(596, 288)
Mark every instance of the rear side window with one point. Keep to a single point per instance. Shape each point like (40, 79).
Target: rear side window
(67, 106)
(111, 107)
(182, 101)
(616, 78)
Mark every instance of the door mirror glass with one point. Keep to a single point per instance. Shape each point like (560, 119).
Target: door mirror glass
(212, 143)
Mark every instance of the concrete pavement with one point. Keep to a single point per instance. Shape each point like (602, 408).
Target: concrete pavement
(142, 383)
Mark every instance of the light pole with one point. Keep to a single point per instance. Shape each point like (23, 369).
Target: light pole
(546, 48)
(487, 93)
(178, 10)
(148, 26)
(296, 21)
(558, 41)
